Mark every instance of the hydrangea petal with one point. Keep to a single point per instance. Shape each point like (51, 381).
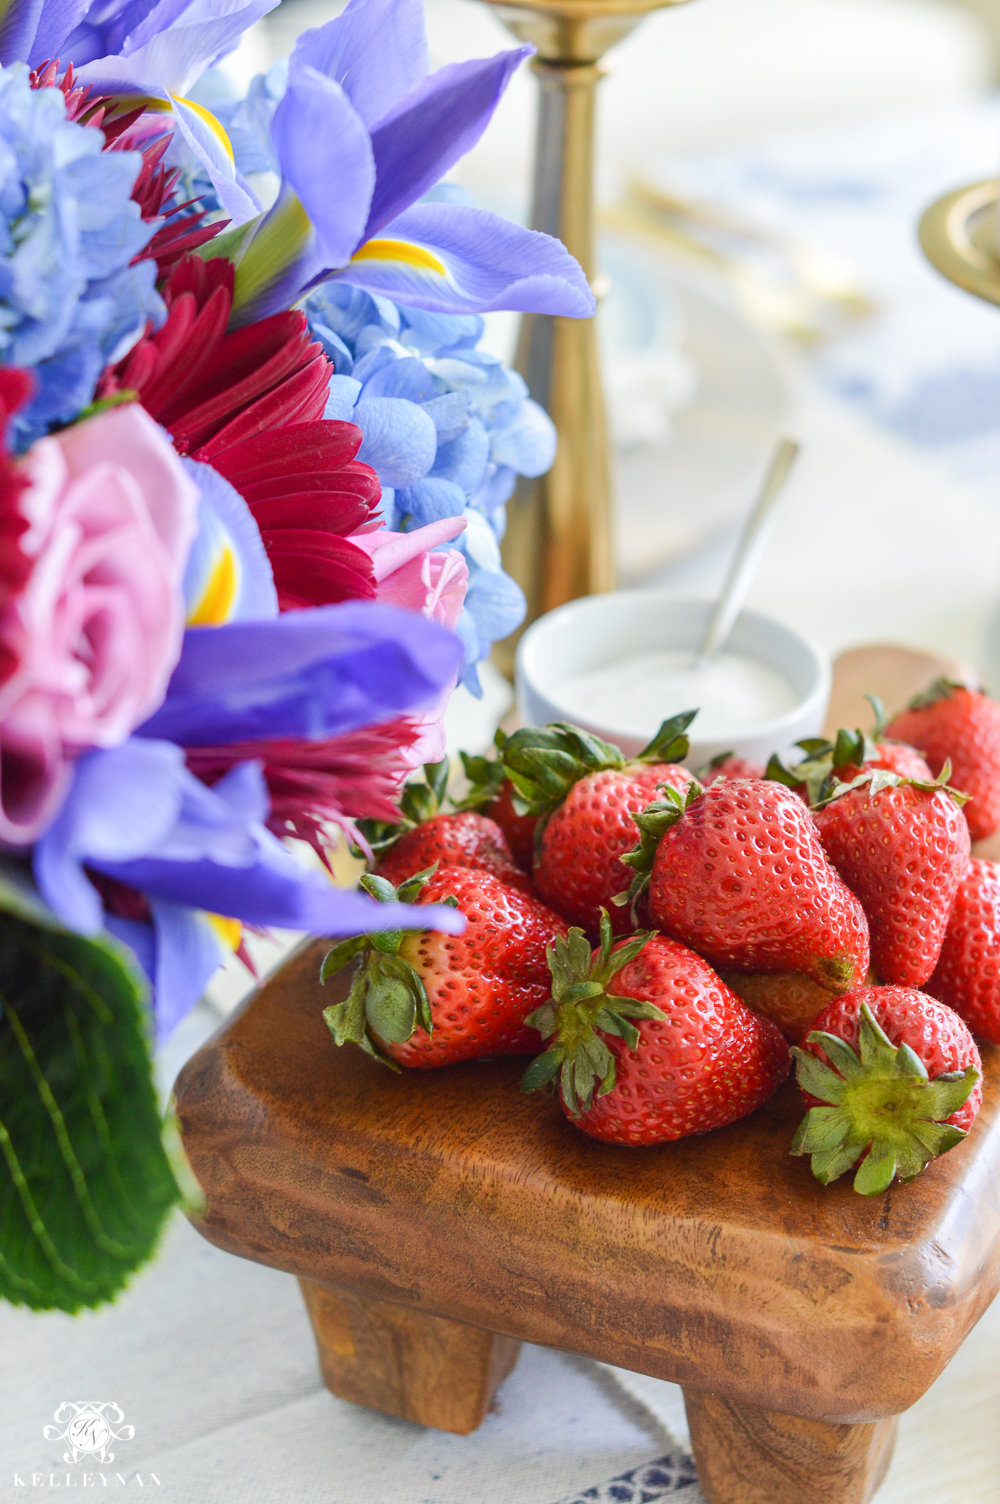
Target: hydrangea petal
(400, 440)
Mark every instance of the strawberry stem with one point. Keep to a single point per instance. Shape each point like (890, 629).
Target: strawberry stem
(880, 1108)
(580, 1010)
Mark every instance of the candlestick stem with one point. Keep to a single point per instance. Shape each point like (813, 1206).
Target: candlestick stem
(560, 541)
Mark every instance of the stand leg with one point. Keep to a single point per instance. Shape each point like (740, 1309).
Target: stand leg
(750, 1456)
(438, 1372)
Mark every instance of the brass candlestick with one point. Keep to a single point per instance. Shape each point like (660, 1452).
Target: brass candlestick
(559, 540)
(958, 235)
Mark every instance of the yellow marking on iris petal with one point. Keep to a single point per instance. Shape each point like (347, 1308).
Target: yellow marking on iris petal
(229, 931)
(219, 594)
(215, 126)
(400, 250)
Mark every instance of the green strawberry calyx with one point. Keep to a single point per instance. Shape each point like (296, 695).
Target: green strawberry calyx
(816, 769)
(878, 779)
(654, 821)
(544, 762)
(880, 1107)
(942, 689)
(388, 999)
(486, 775)
(419, 802)
(580, 1009)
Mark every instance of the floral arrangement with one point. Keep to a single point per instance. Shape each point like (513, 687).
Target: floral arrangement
(240, 431)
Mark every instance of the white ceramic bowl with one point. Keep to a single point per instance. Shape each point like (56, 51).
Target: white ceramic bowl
(600, 630)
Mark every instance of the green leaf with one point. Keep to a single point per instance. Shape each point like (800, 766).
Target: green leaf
(85, 1179)
(486, 778)
(614, 1023)
(337, 958)
(670, 743)
(876, 1171)
(816, 1078)
(542, 1070)
(391, 1008)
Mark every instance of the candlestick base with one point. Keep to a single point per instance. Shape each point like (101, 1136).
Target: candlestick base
(957, 235)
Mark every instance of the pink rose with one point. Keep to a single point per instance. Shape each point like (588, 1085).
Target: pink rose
(408, 575)
(95, 631)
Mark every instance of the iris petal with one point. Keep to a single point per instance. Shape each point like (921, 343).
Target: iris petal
(374, 78)
(428, 131)
(489, 263)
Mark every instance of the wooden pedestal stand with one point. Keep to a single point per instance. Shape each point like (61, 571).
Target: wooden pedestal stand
(437, 1218)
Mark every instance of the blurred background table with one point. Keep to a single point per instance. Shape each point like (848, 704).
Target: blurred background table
(834, 122)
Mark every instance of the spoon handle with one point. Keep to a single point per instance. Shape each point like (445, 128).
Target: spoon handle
(749, 551)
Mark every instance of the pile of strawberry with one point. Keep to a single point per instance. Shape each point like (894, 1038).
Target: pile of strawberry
(830, 912)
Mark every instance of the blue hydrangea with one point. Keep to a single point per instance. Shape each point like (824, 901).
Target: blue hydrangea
(70, 303)
(447, 428)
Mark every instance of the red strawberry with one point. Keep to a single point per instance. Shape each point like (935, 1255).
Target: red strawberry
(424, 835)
(901, 847)
(950, 723)
(519, 829)
(968, 970)
(586, 793)
(738, 873)
(696, 1058)
(424, 999)
(842, 760)
(892, 757)
(460, 840)
(491, 793)
(728, 765)
(905, 1086)
(787, 998)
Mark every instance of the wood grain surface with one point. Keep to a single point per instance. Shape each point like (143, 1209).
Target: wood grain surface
(744, 1452)
(718, 1261)
(389, 1357)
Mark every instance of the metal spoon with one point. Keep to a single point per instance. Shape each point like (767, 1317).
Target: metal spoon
(749, 552)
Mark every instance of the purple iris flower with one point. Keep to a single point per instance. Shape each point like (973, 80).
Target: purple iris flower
(362, 131)
(31, 31)
(135, 814)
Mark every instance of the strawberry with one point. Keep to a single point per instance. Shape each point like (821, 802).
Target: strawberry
(738, 873)
(951, 723)
(424, 999)
(694, 1059)
(901, 847)
(491, 793)
(892, 1079)
(967, 977)
(728, 765)
(425, 835)
(828, 763)
(460, 840)
(787, 998)
(585, 792)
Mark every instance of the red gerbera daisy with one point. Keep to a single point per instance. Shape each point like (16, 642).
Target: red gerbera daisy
(250, 404)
